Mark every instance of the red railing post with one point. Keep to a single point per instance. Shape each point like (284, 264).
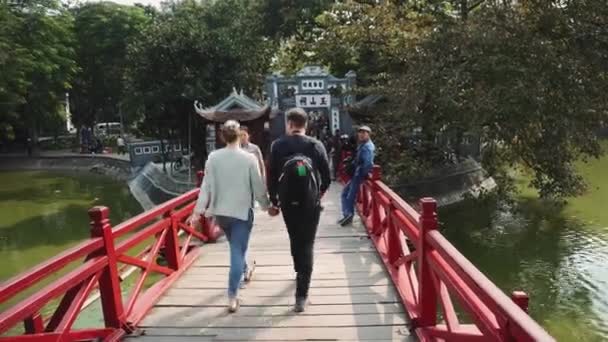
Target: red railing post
(172, 243)
(368, 198)
(376, 222)
(395, 248)
(521, 299)
(427, 292)
(34, 324)
(109, 285)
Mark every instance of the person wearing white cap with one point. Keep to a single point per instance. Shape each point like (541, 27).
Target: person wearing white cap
(363, 163)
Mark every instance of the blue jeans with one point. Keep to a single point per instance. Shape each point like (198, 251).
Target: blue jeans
(237, 232)
(349, 196)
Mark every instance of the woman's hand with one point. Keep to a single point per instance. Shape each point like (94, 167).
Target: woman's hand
(273, 211)
(192, 220)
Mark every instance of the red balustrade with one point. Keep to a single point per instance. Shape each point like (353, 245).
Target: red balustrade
(160, 230)
(429, 273)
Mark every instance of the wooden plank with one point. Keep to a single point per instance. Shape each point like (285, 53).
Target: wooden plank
(205, 339)
(160, 315)
(324, 261)
(394, 333)
(289, 275)
(287, 298)
(285, 321)
(384, 290)
(319, 269)
(188, 281)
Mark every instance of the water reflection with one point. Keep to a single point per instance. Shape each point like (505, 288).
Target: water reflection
(533, 245)
(43, 213)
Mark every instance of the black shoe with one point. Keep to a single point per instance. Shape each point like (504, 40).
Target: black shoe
(301, 303)
(347, 220)
(341, 220)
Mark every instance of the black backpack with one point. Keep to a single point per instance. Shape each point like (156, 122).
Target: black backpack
(298, 183)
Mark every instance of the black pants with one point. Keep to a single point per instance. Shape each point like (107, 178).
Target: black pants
(302, 228)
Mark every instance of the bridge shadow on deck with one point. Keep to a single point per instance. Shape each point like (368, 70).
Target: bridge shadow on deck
(351, 296)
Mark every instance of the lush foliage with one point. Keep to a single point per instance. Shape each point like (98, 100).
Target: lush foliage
(103, 31)
(194, 51)
(528, 79)
(37, 63)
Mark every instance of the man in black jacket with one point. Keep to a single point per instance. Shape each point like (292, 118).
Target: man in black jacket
(301, 222)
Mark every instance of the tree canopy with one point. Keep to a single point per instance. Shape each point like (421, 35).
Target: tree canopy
(37, 63)
(529, 79)
(103, 31)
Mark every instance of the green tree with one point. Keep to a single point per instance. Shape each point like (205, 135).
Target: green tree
(527, 77)
(103, 31)
(194, 51)
(39, 66)
(14, 66)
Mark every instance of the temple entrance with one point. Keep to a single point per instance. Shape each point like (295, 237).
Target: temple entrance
(318, 124)
(243, 109)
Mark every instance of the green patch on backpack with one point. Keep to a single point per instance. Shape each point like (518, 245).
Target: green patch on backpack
(301, 170)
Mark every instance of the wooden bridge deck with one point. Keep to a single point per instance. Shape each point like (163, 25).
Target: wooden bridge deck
(351, 296)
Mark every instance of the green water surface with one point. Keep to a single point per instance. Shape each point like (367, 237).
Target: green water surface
(44, 213)
(557, 254)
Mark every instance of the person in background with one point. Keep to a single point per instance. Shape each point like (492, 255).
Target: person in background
(84, 142)
(364, 161)
(120, 143)
(232, 181)
(253, 149)
(297, 178)
(336, 145)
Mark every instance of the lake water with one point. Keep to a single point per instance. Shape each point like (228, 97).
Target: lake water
(545, 250)
(44, 213)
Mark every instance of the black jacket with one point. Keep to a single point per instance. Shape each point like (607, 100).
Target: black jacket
(283, 148)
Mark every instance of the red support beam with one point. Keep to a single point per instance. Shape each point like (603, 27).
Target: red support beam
(172, 242)
(521, 299)
(109, 284)
(428, 292)
(34, 324)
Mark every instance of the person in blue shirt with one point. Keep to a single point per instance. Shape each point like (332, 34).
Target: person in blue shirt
(364, 161)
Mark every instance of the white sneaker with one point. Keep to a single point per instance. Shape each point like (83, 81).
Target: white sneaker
(233, 304)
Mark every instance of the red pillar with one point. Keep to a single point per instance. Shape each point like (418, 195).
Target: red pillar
(521, 299)
(427, 292)
(172, 243)
(395, 247)
(34, 324)
(109, 285)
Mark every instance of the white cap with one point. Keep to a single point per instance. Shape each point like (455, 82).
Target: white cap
(365, 128)
(232, 124)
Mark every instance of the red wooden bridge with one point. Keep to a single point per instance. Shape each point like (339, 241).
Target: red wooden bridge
(392, 276)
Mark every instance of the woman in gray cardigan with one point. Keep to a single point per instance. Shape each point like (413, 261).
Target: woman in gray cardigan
(232, 181)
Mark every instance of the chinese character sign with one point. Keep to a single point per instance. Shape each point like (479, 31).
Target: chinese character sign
(310, 101)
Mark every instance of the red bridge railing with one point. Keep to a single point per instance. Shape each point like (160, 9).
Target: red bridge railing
(136, 242)
(429, 272)
(426, 269)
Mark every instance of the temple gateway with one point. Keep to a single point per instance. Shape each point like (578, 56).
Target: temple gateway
(323, 96)
(240, 107)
